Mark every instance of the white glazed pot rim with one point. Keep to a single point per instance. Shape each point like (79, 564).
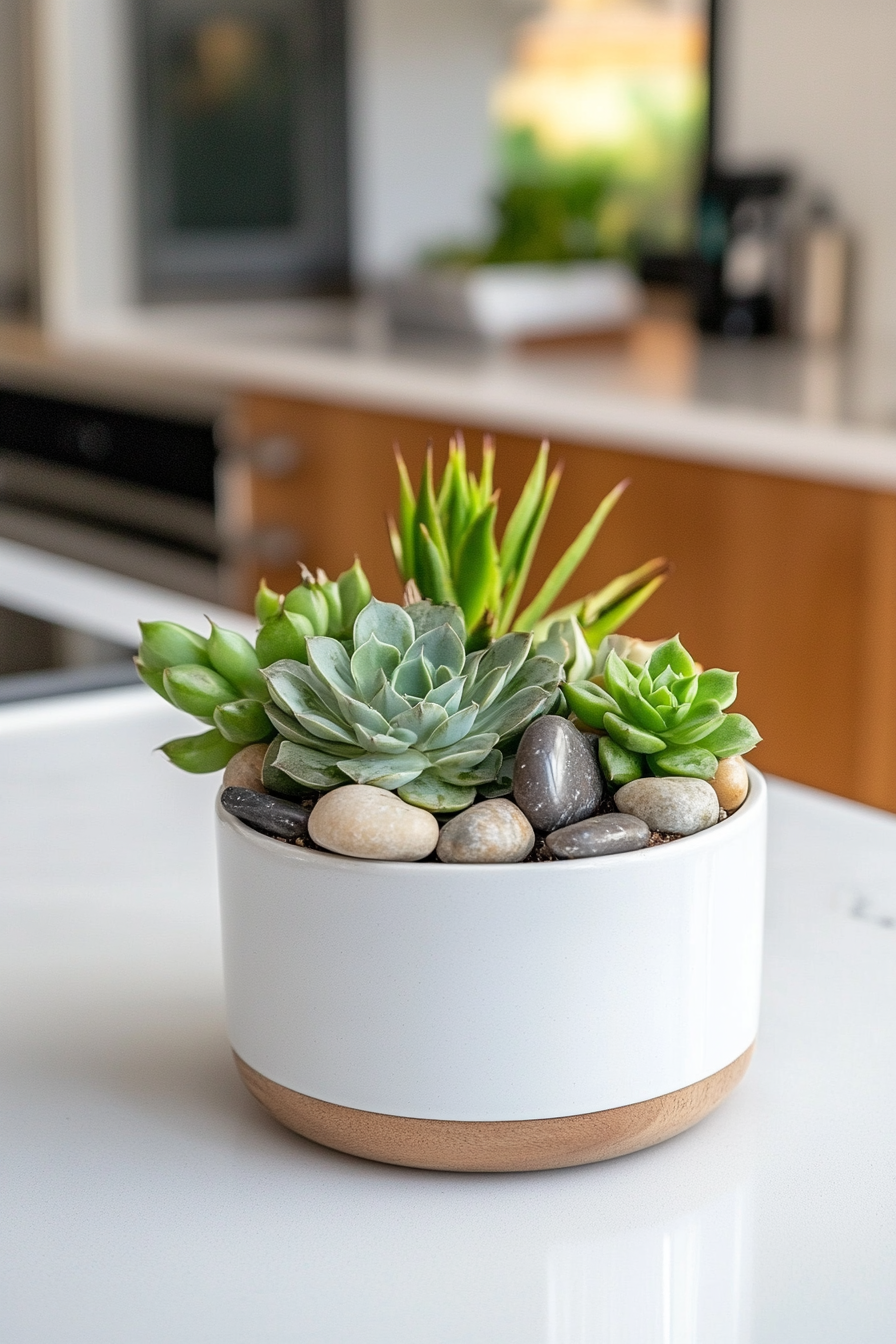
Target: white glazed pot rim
(335, 863)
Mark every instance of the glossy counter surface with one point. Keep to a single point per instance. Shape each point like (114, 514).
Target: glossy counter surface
(770, 406)
(148, 1198)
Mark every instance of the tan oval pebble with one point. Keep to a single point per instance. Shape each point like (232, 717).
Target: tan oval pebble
(731, 783)
(495, 831)
(243, 771)
(674, 805)
(369, 823)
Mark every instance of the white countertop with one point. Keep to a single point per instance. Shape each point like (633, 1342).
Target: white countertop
(770, 406)
(146, 1197)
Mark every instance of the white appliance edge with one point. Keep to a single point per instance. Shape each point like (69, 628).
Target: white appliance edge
(494, 992)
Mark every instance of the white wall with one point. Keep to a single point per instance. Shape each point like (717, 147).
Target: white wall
(815, 81)
(422, 72)
(13, 252)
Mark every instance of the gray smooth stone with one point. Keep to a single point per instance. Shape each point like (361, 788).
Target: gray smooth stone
(491, 832)
(263, 812)
(610, 834)
(675, 805)
(556, 779)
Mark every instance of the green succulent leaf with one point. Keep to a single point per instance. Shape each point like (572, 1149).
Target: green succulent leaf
(716, 685)
(165, 644)
(634, 739)
(234, 658)
(477, 576)
(152, 677)
(372, 665)
(672, 654)
(274, 780)
(310, 768)
(692, 762)
(354, 594)
(243, 721)
(267, 603)
(384, 770)
(619, 765)
(197, 690)
(589, 702)
(200, 755)
(734, 737)
(625, 690)
(309, 601)
(698, 723)
(434, 794)
(283, 635)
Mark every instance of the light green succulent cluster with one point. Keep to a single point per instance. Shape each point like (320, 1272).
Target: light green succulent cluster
(218, 679)
(445, 542)
(666, 717)
(404, 707)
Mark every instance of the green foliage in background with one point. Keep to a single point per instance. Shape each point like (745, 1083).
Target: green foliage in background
(665, 718)
(445, 542)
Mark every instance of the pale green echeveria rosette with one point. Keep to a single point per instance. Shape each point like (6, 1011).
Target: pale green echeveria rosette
(665, 718)
(405, 707)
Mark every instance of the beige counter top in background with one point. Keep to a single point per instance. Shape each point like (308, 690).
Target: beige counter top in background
(770, 406)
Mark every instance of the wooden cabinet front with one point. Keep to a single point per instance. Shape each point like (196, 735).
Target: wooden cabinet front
(791, 582)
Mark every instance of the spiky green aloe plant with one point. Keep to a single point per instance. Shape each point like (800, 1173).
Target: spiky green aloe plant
(218, 679)
(406, 708)
(665, 718)
(445, 542)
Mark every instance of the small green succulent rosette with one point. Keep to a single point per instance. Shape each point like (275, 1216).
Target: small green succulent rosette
(402, 706)
(665, 718)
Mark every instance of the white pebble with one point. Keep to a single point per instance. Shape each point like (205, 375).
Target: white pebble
(369, 823)
(495, 831)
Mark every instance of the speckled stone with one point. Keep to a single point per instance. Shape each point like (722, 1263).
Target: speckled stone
(731, 783)
(611, 834)
(243, 771)
(369, 823)
(556, 779)
(675, 806)
(495, 831)
(261, 811)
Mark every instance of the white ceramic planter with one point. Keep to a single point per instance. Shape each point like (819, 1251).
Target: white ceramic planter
(493, 1017)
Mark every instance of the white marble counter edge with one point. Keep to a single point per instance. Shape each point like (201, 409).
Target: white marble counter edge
(513, 401)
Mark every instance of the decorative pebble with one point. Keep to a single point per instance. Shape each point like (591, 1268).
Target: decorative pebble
(244, 769)
(610, 834)
(495, 831)
(675, 805)
(556, 779)
(263, 812)
(731, 783)
(365, 822)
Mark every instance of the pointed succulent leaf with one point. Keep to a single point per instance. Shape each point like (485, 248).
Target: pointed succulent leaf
(384, 744)
(589, 702)
(441, 647)
(407, 507)
(354, 593)
(386, 771)
(283, 635)
(692, 762)
(164, 644)
(314, 769)
(295, 688)
(699, 722)
(243, 721)
(267, 602)
(662, 699)
(200, 755)
(520, 520)
(389, 703)
(508, 717)
(197, 690)
(619, 765)
(484, 772)
(434, 794)
(539, 671)
(517, 582)
(734, 737)
(372, 665)
(466, 753)
(152, 677)
(329, 660)
(477, 576)
(453, 728)
(510, 652)
(716, 685)
(412, 679)
(502, 784)
(288, 726)
(634, 739)
(274, 780)
(421, 720)
(484, 690)
(390, 623)
(624, 689)
(671, 654)
(234, 657)
(429, 615)
(309, 601)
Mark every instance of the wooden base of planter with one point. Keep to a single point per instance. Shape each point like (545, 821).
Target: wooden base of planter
(494, 1145)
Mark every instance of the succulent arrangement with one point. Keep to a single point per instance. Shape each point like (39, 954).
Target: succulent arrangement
(541, 729)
